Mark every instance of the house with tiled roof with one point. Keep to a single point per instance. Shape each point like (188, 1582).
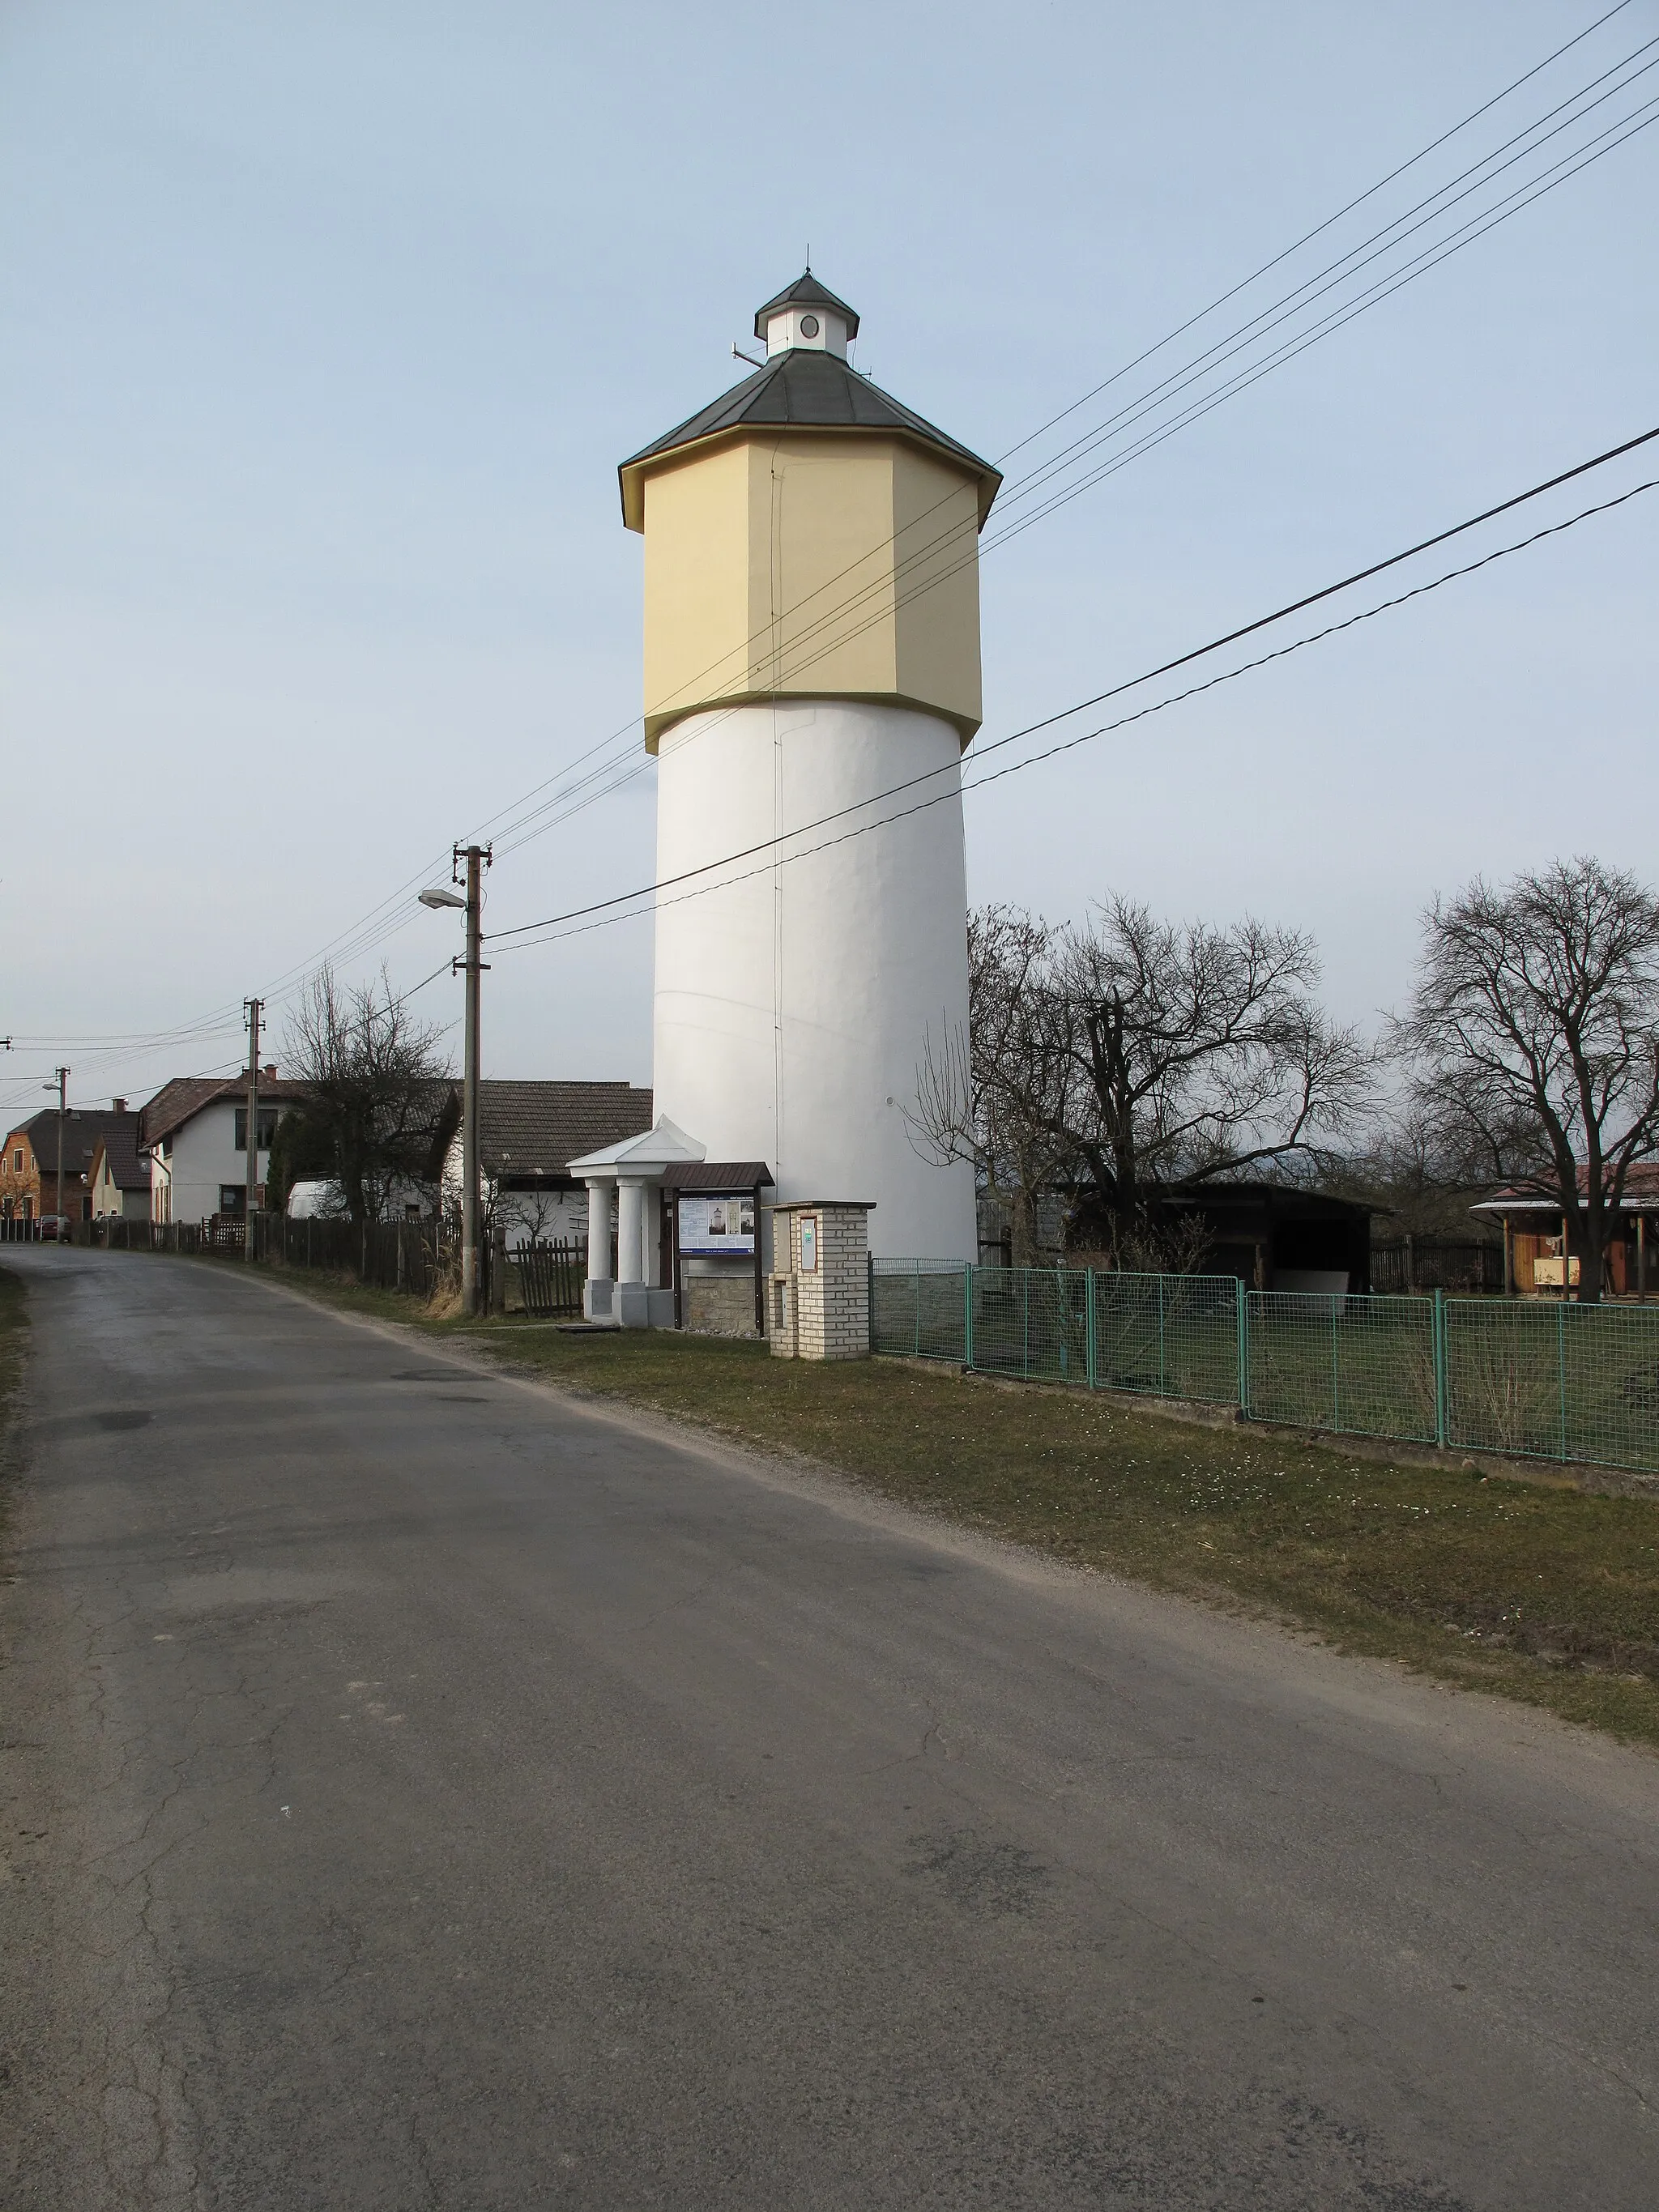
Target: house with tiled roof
(195, 1132)
(31, 1184)
(1540, 1248)
(117, 1180)
(528, 1134)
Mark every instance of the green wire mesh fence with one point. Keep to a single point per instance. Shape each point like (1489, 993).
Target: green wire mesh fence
(917, 1309)
(1361, 1366)
(1172, 1336)
(1538, 1379)
(1554, 1381)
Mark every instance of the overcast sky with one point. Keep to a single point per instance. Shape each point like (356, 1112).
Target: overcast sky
(325, 327)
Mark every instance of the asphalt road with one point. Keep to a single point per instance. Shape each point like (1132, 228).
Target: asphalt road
(422, 1791)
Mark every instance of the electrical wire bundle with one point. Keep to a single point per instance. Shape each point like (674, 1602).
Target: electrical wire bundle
(1150, 404)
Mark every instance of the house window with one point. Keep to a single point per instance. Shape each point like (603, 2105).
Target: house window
(232, 1199)
(267, 1128)
(17, 1161)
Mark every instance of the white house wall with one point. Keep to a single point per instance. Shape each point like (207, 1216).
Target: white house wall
(108, 1197)
(794, 1003)
(204, 1158)
(551, 1215)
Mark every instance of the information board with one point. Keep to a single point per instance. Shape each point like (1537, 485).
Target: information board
(715, 1221)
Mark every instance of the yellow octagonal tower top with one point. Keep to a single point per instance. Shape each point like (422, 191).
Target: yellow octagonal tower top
(808, 536)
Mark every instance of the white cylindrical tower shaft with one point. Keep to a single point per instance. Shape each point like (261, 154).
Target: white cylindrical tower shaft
(796, 999)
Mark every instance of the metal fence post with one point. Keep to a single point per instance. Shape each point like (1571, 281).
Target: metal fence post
(967, 1314)
(918, 1309)
(1244, 1349)
(1561, 1354)
(1440, 1390)
(870, 1279)
(1163, 1359)
(1089, 1324)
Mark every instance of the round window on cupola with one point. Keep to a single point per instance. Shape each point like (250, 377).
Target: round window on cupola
(808, 317)
(818, 330)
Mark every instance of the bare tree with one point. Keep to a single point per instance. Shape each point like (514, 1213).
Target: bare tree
(988, 1094)
(1195, 1051)
(1409, 1168)
(375, 1079)
(1131, 1057)
(532, 1213)
(1534, 1032)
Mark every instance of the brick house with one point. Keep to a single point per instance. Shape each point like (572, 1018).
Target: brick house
(29, 1168)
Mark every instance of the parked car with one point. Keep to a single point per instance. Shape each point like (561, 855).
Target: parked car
(54, 1229)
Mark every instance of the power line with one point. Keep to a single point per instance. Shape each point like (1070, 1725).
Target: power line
(1069, 744)
(1165, 668)
(608, 775)
(386, 918)
(1318, 229)
(585, 793)
(1431, 259)
(625, 770)
(1339, 271)
(510, 841)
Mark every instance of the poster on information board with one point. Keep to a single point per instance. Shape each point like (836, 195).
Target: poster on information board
(713, 1222)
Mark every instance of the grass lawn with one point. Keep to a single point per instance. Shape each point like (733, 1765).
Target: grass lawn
(1545, 1594)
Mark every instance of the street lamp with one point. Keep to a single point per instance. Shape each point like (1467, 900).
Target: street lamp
(477, 858)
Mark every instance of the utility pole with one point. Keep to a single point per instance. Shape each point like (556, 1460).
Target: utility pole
(252, 1010)
(63, 1076)
(477, 858)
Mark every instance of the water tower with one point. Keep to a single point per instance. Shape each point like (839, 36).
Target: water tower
(811, 641)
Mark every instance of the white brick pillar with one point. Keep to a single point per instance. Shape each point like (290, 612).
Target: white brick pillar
(820, 1303)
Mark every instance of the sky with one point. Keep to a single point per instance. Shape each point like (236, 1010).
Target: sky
(323, 329)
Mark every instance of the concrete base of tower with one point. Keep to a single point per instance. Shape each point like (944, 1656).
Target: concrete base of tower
(800, 992)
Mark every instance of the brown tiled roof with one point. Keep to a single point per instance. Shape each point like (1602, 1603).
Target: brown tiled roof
(538, 1128)
(1641, 1184)
(83, 1127)
(175, 1102)
(119, 1146)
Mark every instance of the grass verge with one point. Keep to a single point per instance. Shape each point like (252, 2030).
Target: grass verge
(1547, 1595)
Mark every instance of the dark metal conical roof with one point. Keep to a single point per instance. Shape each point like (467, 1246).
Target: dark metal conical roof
(808, 292)
(806, 390)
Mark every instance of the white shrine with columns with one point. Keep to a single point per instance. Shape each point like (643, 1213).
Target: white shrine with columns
(630, 1175)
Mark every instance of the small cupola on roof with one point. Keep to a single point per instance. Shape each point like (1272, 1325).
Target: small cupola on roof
(807, 316)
